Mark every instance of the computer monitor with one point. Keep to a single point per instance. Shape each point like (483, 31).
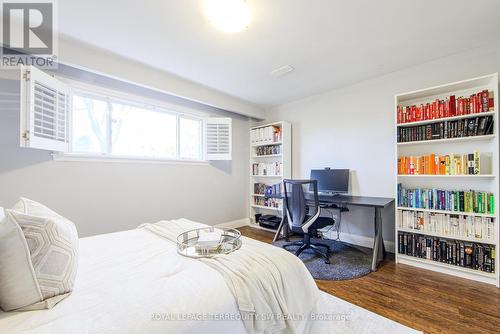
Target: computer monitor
(332, 181)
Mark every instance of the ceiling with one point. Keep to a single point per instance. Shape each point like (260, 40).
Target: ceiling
(330, 43)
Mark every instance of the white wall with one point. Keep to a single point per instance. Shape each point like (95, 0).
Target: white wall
(78, 54)
(353, 128)
(107, 197)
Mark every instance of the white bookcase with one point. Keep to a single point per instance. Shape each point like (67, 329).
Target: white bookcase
(279, 152)
(487, 181)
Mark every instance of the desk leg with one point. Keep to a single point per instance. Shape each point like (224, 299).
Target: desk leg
(378, 242)
(280, 228)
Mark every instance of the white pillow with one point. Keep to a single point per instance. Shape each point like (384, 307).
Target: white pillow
(38, 257)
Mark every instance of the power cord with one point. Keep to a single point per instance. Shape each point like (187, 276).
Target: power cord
(336, 225)
(337, 228)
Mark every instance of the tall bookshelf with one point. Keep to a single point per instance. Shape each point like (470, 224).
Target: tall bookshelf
(486, 181)
(270, 145)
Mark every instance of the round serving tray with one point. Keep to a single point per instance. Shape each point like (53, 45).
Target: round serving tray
(208, 242)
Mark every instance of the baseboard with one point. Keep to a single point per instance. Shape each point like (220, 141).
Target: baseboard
(360, 240)
(235, 223)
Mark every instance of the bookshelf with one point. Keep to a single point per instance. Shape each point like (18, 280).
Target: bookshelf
(270, 163)
(426, 242)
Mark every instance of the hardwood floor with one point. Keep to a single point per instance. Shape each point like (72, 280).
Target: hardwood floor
(418, 298)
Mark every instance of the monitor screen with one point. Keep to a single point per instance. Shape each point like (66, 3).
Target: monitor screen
(331, 180)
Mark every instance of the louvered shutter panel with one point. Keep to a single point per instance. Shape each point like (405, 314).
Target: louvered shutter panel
(44, 111)
(218, 136)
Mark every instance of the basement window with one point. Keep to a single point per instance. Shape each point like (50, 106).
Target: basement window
(109, 127)
(90, 124)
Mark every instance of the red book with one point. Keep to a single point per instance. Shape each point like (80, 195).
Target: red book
(479, 104)
(453, 106)
(441, 109)
(398, 114)
(419, 112)
(460, 106)
(484, 100)
(473, 104)
(427, 111)
(434, 110)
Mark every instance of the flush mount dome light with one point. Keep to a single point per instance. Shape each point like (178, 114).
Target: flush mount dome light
(228, 15)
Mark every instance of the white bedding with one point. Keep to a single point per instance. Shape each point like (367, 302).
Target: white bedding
(124, 281)
(135, 282)
(271, 286)
(132, 281)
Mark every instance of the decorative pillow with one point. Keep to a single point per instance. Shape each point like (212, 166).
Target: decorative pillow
(38, 257)
(33, 208)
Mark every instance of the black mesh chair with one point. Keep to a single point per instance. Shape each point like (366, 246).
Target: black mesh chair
(303, 216)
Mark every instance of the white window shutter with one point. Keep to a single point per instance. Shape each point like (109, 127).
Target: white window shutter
(44, 111)
(218, 138)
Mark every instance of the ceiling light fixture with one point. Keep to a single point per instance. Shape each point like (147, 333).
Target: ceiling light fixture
(228, 15)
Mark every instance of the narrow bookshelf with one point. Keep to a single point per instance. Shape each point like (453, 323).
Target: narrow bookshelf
(270, 163)
(447, 186)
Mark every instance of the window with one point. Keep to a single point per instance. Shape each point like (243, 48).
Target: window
(109, 127)
(93, 125)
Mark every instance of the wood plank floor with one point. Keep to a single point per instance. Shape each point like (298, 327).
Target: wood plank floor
(418, 298)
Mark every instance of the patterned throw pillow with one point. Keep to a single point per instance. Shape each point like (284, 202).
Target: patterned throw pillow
(49, 243)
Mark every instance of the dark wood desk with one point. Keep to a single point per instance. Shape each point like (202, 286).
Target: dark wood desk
(377, 203)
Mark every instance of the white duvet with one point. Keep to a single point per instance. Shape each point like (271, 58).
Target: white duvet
(135, 282)
(273, 289)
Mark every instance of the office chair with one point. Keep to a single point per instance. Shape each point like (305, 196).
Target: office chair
(303, 216)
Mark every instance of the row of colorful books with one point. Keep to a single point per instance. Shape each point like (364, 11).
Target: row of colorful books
(264, 189)
(448, 225)
(268, 150)
(448, 164)
(267, 134)
(476, 103)
(477, 126)
(267, 169)
(447, 200)
(269, 202)
(476, 256)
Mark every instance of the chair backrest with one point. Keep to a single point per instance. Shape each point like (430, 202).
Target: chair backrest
(297, 204)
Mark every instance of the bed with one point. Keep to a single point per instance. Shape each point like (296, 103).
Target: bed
(135, 282)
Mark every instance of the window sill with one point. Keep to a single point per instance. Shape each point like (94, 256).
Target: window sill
(73, 157)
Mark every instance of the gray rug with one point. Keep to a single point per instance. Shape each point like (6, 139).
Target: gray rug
(347, 262)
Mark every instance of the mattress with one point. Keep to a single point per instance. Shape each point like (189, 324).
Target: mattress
(135, 282)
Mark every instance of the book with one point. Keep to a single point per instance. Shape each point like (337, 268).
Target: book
(479, 102)
(477, 126)
(448, 164)
(477, 256)
(447, 225)
(264, 135)
(447, 200)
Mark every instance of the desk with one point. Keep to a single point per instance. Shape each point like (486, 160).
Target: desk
(377, 203)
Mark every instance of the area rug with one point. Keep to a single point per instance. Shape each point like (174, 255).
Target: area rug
(335, 315)
(346, 261)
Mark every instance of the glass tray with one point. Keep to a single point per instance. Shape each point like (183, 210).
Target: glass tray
(208, 242)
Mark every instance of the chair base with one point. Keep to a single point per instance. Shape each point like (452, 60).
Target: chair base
(317, 247)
